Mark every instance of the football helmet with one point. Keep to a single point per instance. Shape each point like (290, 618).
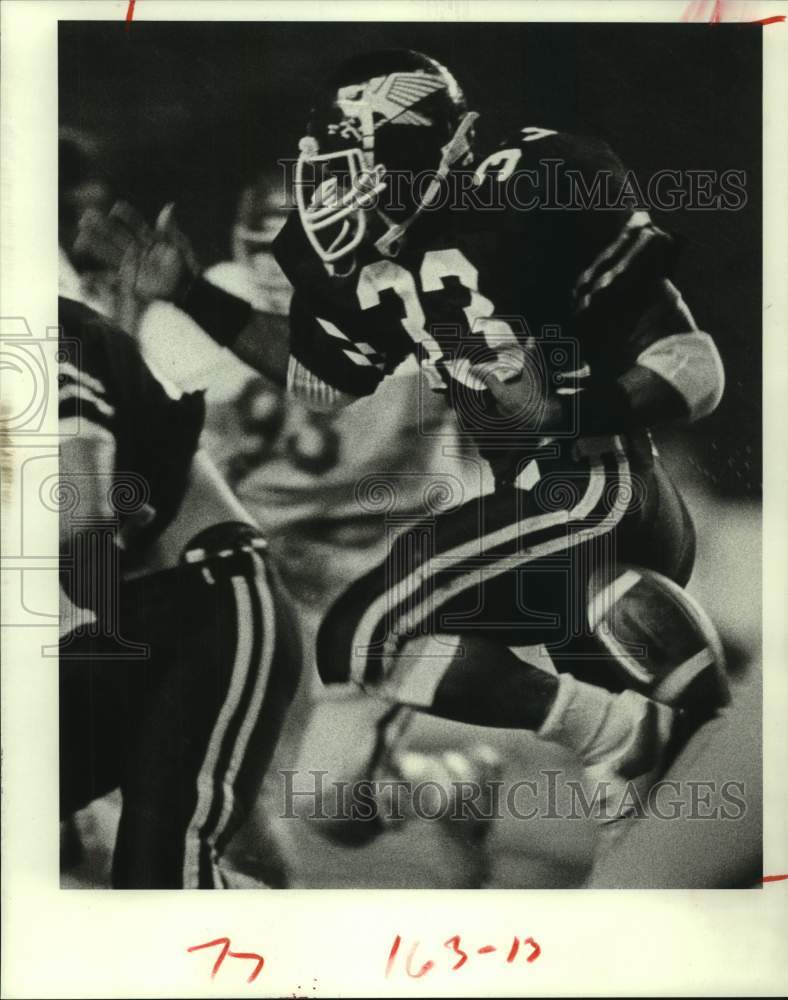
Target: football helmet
(380, 114)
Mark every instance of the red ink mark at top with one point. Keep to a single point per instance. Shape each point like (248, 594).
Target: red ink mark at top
(130, 12)
(704, 11)
(773, 878)
(696, 11)
(225, 952)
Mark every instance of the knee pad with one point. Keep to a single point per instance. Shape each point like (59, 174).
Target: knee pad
(659, 638)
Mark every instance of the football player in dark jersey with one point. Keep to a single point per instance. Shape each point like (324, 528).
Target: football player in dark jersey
(539, 300)
(179, 663)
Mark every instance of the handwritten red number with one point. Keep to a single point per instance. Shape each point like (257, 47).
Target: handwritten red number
(409, 961)
(225, 942)
(225, 952)
(536, 950)
(253, 957)
(423, 970)
(454, 943)
(393, 955)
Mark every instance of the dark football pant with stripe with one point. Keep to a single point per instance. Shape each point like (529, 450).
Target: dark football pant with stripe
(186, 733)
(512, 567)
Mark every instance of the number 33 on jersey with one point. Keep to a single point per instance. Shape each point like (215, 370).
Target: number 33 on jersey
(480, 279)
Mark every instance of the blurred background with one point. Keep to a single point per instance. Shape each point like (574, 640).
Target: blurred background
(202, 114)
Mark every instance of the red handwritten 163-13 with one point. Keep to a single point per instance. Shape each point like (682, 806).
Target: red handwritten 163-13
(453, 954)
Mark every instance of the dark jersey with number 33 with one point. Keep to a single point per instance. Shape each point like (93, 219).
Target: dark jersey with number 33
(534, 258)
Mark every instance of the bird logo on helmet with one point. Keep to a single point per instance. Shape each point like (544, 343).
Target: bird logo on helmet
(380, 113)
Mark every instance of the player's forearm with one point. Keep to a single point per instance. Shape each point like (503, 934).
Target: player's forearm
(261, 341)
(676, 376)
(264, 344)
(639, 398)
(673, 390)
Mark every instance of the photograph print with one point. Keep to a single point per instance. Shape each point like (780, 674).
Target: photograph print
(411, 455)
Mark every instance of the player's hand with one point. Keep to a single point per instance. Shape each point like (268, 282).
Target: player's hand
(150, 263)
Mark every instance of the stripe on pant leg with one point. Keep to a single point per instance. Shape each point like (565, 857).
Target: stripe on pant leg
(442, 594)
(205, 778)
(477, 546)
(261, 593)
(413, 617)
(402, 590)
(209, 870)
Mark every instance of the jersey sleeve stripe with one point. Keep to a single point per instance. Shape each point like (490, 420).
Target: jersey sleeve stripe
(332, 329)
(82, 377)
(83, 394)
(354, 348)
(609, 276)
(367, 349)
(637, 221)
(81, 410)
(373, 360)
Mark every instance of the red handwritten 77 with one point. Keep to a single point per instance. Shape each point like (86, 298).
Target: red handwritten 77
(226, 953)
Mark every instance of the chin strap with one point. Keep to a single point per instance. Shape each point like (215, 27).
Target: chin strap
(457, 147)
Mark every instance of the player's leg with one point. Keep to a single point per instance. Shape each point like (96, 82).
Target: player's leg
(280, 691)
(106, 664)
(523, 580)
(637, 629)
(212, 716)
(462, 574)
(100, 701)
